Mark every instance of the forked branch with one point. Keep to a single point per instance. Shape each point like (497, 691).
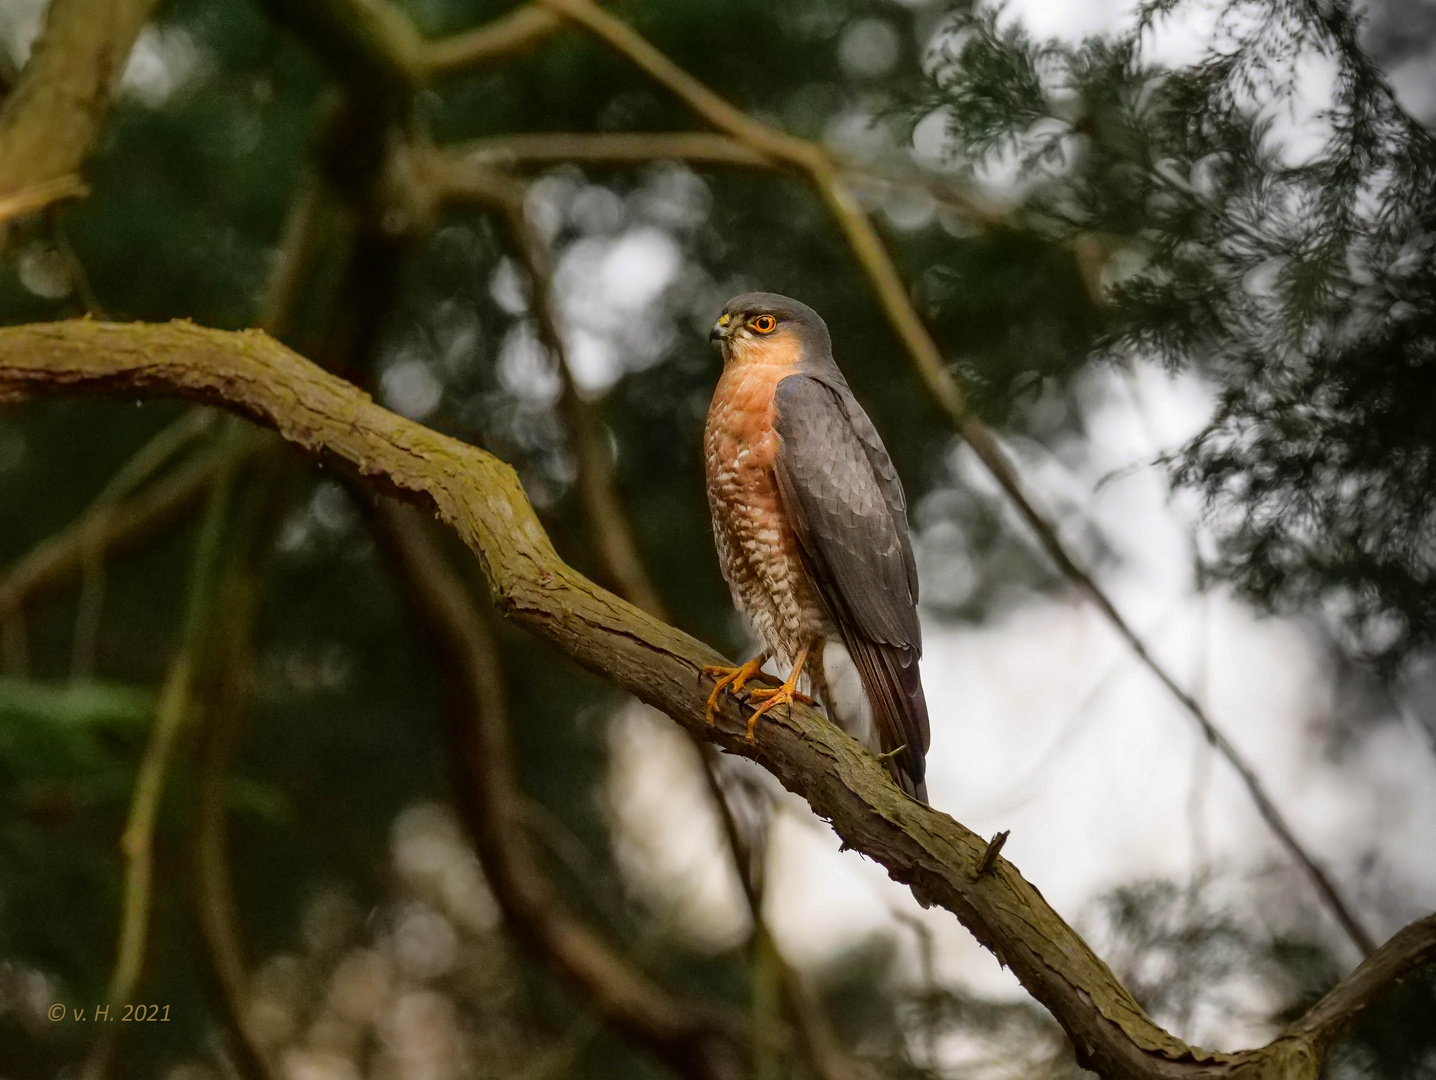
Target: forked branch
(376, 37)
(480, 497)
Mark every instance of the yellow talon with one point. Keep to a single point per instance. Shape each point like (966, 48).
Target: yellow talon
(735, 677)
(780, 695)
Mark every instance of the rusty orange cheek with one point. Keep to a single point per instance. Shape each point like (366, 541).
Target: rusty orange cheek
(782, 350)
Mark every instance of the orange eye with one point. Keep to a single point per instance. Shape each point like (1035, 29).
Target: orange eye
(764, 324)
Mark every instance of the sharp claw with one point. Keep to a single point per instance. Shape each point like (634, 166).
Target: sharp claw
(784, 693)
(733, 679)
(771, 700)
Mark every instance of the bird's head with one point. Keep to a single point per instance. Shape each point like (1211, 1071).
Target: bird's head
(766, 328)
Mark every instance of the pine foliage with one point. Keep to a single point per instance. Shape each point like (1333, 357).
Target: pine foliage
(1284, 247)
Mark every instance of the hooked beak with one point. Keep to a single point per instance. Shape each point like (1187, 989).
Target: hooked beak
(721, 329)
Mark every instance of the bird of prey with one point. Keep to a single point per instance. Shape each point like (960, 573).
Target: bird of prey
(811, 526)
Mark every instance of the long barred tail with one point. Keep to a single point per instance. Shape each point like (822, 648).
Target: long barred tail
(894, 687)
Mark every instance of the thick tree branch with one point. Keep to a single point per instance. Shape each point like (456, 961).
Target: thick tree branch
(1409, 950)
(480, 497)
(53, 116)
(683, 1033)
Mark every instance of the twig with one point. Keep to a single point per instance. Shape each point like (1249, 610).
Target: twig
(150, 458)
(926, 956)
(694, 94)
(684, 1034)
(480, 497)
(562, 1060)
(765, 1007)
(942, 385)
(226, 706)
(994, 849)
(147, 461)
(9, 72)
(175, 703)
(14, 643)
(300, 247)
(214, 892)
(41, 196)
(708, 148)
(59, 557)
(74, 265)
(610, 148)
(506, 36)
(828, 1060)
(609, 529)
(769, 973)
(820, 1047)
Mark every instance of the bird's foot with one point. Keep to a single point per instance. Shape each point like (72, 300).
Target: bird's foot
(772, 698)
(732, 679)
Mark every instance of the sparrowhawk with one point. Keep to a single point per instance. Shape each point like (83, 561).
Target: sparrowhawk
(811, 526)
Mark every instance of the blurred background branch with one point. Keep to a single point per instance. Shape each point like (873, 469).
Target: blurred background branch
(689, 1036)
(175, 707)
(51, 119)
(111, 524)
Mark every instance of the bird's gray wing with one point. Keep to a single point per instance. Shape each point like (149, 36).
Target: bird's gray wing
(849, 517)
(888, 482)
